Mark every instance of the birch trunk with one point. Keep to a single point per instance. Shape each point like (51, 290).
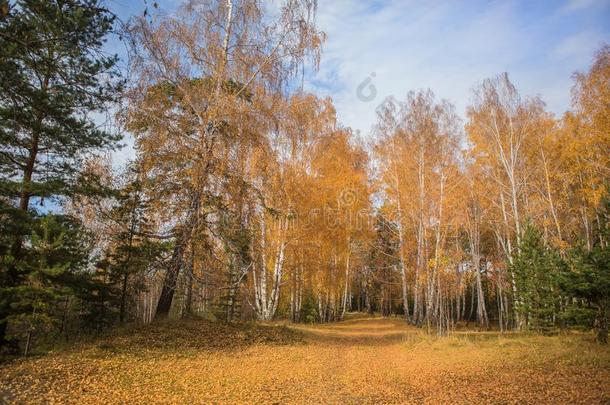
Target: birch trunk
(266, 304)
(345, 292)
(401, 241)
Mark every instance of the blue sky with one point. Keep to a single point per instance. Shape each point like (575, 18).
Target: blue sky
(448, 46)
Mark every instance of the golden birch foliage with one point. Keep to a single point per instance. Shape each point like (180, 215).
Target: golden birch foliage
(591, 126)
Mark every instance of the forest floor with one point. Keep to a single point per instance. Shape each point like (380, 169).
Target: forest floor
(366, 360)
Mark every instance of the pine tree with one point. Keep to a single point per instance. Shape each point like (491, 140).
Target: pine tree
(133, 251)
(536, 267)
(57, 256)
(53, 75)
(587, 280)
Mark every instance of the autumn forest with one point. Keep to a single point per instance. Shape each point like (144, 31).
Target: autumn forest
(253, 236)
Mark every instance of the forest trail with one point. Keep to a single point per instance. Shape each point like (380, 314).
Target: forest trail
(367, 360)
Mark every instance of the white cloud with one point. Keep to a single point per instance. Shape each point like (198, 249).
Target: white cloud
(577, 5)
(411, 45)
(578, 46)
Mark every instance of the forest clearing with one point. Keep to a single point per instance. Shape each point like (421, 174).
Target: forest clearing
(365, 360)
(303, 201)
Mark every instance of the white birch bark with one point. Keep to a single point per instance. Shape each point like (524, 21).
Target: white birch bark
(266, 303)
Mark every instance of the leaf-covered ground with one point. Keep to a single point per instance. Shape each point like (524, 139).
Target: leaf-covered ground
(370, 360)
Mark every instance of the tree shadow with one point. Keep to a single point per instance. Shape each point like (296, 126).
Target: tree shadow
(361, 332)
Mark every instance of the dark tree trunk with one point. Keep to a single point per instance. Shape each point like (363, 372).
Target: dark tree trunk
(132, 231)
(11, 279)
(123, 298)
(3, 330)
(171, 277)
(188, 306)
(169, 284)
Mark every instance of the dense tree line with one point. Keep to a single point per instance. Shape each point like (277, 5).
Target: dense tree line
(248, 200)
(50, 70)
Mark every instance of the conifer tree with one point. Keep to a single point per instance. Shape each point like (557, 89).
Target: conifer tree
(57, 255)
(588, 278)
(536, 267)
(133, 251)
(53, 76)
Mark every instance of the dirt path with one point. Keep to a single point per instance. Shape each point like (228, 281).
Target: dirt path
(361, 361)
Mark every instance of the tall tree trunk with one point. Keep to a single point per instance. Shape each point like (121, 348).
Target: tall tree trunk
(11, 278)
(266, 305)
(434, 281)
(171, 276)
(401, 240)
(132, 230)
(513, 282)
(550, 196)
(345, 292)
(123, 298)
(421, 236)
(188, 305)
(169, 284)
(481, 310)
(474, 237)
